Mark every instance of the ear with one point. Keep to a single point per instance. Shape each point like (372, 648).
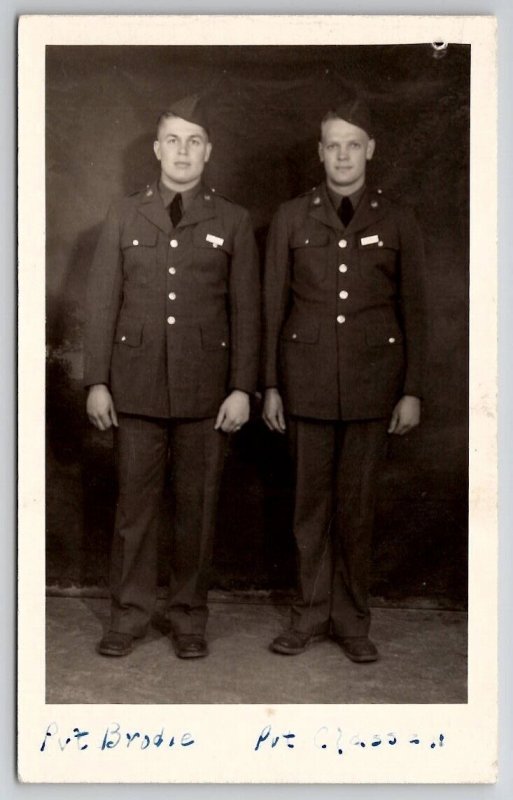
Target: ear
(371, 145)
(156, 149)
(208, 150)
(320, 150)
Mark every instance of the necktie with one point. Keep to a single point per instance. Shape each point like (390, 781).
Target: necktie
(345, 211)
(175, 209)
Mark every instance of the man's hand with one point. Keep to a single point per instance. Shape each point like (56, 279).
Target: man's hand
(273, 411)
(100, 407)
(233, 413)
(405, 416)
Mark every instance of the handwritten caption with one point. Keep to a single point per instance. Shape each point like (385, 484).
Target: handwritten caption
(113, 737)
(333, 740)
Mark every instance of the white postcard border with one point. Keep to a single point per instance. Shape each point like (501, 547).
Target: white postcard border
(225, 736)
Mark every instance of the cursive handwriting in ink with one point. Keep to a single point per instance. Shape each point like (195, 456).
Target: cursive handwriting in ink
(333, 740)
(265, 737)
(52, 731)
(113, 737)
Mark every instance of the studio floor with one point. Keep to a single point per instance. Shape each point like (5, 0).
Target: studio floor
(423, 660)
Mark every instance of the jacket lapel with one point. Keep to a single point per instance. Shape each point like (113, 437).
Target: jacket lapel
(321, 209)
(152, 208)
(201, 208)
(370, 209)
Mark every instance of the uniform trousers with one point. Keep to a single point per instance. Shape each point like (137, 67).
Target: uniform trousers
(196, 453)
(337, 466)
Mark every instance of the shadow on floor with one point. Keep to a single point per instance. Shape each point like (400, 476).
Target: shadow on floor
(423, 660)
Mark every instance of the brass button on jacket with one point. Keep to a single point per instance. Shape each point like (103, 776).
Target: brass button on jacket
(363, 360)
(175, 365)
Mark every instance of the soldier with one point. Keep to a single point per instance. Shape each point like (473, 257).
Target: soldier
(171, 356)
(343, 354)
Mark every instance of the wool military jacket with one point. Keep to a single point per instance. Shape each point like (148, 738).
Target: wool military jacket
(344, 319)
(173, 314)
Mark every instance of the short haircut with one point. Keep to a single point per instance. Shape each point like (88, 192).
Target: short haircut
(171, 115)
(355, 111)
(330, 115)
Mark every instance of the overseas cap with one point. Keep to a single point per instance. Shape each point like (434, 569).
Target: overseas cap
(355, 111)
(190, 108)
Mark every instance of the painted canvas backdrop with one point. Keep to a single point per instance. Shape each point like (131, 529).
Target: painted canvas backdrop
(265, 107)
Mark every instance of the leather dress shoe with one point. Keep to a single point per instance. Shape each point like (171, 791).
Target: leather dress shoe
(358, 648)
(115, 643)
(292, 642)
(190, 645)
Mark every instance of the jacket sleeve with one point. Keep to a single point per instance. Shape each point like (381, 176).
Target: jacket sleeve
(103, 301)
(276, 295)
(244, 311)
(413, 302)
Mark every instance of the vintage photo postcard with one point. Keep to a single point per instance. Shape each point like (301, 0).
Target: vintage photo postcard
(257, 399)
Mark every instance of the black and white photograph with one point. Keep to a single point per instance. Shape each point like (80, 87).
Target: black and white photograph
(258, 413)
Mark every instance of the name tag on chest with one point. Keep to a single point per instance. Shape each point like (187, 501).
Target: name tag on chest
(215, 241)
(369, 239)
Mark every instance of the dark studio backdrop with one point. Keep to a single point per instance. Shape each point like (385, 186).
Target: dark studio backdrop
(265, 106)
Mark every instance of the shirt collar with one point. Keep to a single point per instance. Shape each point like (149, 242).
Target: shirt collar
(168, 195)
(355, 197)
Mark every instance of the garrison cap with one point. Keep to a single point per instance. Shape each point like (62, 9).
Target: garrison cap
(191, 108)
(355, 111)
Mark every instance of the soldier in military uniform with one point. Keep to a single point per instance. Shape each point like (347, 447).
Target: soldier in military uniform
(343, 355)
(171, 357)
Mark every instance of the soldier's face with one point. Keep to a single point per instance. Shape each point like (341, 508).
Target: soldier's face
(344, 150)
(183, 150)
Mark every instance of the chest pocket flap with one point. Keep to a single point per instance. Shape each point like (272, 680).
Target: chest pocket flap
(384, 239)
(139, 237)
(314, 238)
(212, 239)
